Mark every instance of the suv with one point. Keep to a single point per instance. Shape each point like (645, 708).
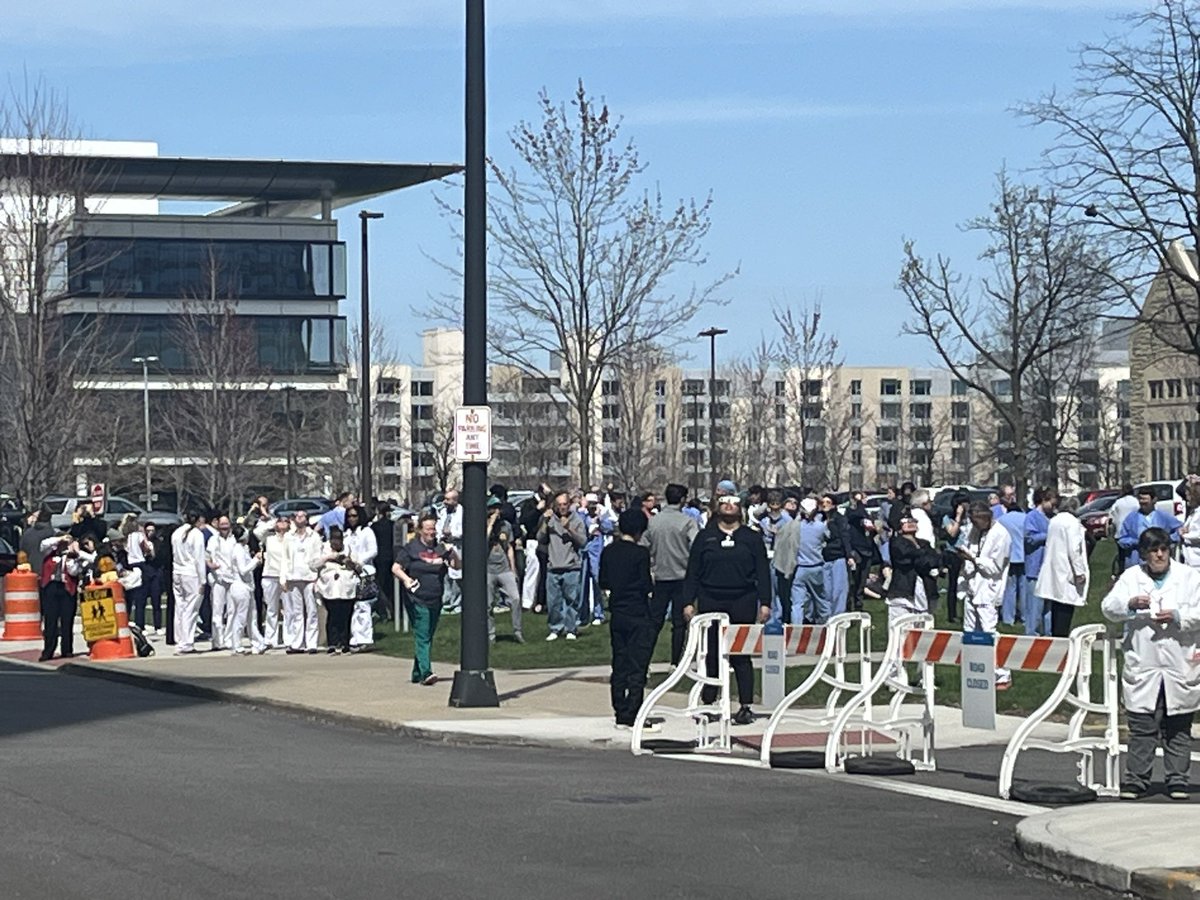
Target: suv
(314, 506)
(943, 500)
(62, 511)
(1166, 496)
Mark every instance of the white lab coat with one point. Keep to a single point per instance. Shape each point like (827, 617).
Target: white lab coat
(925, 530)
(981, 581)
(363, 548)
(1159, 654)
(299, 551)
(1189, 535)
(1065, 557)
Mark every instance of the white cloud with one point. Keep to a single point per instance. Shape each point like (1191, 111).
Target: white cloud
(754, 109)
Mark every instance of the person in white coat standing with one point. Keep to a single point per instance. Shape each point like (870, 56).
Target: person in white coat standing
(219, 555)
(188, 572)
(301, 626)
(240, 594)
(272, 534)
(1159, 603)
(1189, 535)
(1065, 575)
(362, 547)
(984, 575)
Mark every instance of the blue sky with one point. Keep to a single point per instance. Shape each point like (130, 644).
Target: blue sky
(826, 130)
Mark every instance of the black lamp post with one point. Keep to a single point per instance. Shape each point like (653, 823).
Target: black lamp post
(474, 684)
(712, 334)
(364, 375)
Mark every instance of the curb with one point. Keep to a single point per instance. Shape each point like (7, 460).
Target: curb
(1165, 884)
(326, 716)
(1039, 844)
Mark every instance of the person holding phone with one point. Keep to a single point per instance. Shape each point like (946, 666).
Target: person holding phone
(984, 574)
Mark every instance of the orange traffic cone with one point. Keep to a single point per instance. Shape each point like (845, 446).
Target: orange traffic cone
(106, 619)
(22, 607)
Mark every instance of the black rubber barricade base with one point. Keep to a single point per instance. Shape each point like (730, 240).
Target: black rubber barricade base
(667, 745)
(878, 765)
(1050, 794)
(798, 759)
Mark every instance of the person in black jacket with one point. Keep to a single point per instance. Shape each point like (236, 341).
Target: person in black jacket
(625, 574)
(728, 572)
(837, 555)
(863, 552)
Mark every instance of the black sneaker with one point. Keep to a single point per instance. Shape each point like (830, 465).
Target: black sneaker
(744, 716)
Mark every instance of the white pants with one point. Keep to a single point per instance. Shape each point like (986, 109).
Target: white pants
(533, 569)
(187, 608)
(220, 603)
(984, 617)
(269, 637)
(300, 622)
(362, 626)
(238, 601)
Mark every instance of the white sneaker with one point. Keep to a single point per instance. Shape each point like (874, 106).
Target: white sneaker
(572, 636)
(552, 636)
(149, 629)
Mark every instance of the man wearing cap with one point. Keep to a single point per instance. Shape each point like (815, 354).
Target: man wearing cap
(599, 525)
(728, 572)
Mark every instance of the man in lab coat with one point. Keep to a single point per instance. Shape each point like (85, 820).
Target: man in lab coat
(1159, 602)
(983, 576)
(1063, 580)
(301, 626)
(188, 572)
(218, 554)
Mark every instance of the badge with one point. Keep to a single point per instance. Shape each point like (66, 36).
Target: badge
(728, 542)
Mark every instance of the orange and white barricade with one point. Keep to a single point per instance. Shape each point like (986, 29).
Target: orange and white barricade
(22, 606)
(846, 639)
(911, 639)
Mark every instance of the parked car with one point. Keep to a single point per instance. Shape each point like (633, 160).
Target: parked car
(944, 499)
(1088, 495)
(1166, 496)
(8, 557)
(1095, 516)
(314, 506)
(62, 512)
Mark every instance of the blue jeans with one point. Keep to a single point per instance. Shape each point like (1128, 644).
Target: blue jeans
(781, 595)
(591, 601)
(562, 601)
(809, 603)
(1034, 610)
(1015, 591)
(837, 586)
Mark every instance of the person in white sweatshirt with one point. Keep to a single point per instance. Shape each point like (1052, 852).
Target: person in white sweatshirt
(983, 576)
(272, 535)
(219, 558)
(362, 547)
(301, 628)
(187, 581)
(337, 587)
(240, 593)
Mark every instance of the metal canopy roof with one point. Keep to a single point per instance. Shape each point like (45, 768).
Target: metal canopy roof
(247, 182)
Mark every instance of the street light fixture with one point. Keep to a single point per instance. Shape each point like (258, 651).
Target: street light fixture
(712, 334)
(364, 374)
(145, 361)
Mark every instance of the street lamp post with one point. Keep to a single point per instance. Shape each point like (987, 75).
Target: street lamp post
(291, 456)
(145, 363)
(364, 375)
(474, 683)
(712, 334)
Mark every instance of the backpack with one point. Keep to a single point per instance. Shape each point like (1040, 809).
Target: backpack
(141, 643)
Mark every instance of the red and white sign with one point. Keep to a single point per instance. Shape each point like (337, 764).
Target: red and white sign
(98, 498)
(473, 434)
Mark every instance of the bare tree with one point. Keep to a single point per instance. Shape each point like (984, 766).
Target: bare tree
(1044, 288)
(807, 356)
(45, 357)
(440, 446)
(533, 436)
(637, 460)
(583, 265)
(750, 452)
(1127, 152)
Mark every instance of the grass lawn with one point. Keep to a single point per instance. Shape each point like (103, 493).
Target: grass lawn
(1029, 689)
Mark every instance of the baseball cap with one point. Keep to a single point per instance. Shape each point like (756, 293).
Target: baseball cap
(591, 498)
(809, 505)
(726, 487)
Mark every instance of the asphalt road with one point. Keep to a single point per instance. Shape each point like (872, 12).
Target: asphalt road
(108, 791)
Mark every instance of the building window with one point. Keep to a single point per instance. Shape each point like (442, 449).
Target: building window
(424, 411)
(889, 410)
(1156, 432)
(422, 389)
(889, 387)
(920, 388)
(921, 410)
(660, 435)
(856, 457)
(660, 389)
(923, 435)
(610, 411)
(1174, 388)
(780, 388)
(610, 388)
(856, 387)
(693, 386)
(1002, 387)
(856, 433)
(887, 433)
(888, 457)
(388, 386)
(959, 433)
(1176, 463)
(660, 411)
(1174, 431)
(958, 388)
(959, 456)
(422, 435)
(960, 409)
(1156, 390)
(856, 410)
(1158, 464)
(720, 388)
(392, 459)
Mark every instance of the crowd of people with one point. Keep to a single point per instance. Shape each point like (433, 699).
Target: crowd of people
(589, 558)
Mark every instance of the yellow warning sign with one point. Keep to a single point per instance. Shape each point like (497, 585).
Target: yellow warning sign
(98, 610)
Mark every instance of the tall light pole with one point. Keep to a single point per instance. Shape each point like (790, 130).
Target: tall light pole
(145, 363)
(712, 334)
(364, 374)
(288, 390)
(474, 683)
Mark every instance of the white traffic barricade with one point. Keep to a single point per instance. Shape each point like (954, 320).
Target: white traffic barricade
(911, 639)
(823, 646)
(693, 665)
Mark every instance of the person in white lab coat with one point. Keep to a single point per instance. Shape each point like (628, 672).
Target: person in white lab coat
(1159, 602)
(188, 572)
(1065, 575)
(1189, 535)
(337, 586)
(240, 593)
(272, 534)
(218, 554)
(301, 626)
(362, 547)
(984, 575)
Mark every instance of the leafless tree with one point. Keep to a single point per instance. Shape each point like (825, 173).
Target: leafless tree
(637, 460)
(750, 452)
(844, 427)
(583, 264)
(807, 355)
(44, 356)
(1062, 388)
(1045, 286)
(1127, 153)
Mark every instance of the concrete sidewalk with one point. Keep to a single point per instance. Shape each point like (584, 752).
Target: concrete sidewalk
(1151, 849)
